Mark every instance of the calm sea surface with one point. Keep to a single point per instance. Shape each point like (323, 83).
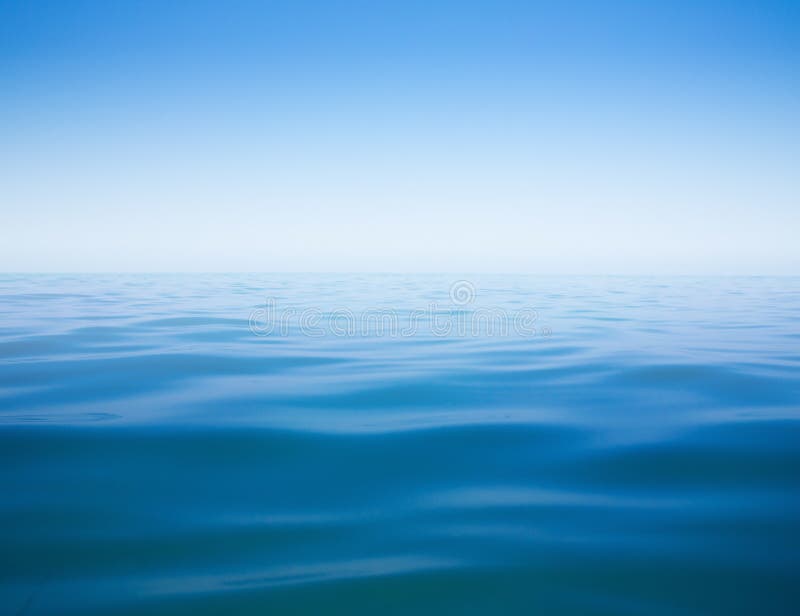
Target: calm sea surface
(266, 444)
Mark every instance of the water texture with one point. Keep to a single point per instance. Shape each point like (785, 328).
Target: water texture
(636, 451)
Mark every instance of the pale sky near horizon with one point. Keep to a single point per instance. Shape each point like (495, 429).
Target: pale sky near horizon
(581, 137)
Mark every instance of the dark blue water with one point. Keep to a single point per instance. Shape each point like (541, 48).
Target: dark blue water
(635, 450)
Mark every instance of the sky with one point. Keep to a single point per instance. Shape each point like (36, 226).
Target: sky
(627, 137)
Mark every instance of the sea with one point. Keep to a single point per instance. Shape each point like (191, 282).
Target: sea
(399, 444)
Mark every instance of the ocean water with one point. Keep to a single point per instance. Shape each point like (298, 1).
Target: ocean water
(266, 444)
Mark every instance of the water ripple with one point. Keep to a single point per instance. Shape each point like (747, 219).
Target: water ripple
(158, 457)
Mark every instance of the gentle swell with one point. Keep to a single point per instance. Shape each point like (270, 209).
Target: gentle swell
(158, 457)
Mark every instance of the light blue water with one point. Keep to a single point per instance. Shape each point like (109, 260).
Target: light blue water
(638, 453)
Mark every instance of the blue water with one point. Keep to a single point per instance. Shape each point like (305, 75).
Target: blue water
(637, 451)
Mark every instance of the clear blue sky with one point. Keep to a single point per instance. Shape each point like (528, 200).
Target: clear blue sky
(574, 137)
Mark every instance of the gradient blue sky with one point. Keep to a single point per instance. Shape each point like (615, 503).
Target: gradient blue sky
(574, 137)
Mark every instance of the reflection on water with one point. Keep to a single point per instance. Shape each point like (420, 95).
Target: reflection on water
(159, 457)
